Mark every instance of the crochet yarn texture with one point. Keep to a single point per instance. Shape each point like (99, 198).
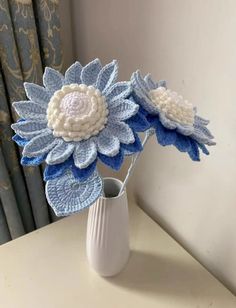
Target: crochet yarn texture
(73, 121)
(85, 114)
(175, 120)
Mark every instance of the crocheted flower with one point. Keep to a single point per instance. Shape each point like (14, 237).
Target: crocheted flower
(175, 120)
(75, 119)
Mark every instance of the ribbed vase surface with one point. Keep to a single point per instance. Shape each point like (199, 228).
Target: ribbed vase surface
(108, 230)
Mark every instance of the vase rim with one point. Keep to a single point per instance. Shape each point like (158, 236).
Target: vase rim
(117, 181)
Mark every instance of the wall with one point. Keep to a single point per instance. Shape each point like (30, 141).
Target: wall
(192, 44)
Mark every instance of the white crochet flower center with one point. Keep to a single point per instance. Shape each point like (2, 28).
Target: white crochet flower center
(77, 112)
(172, 105)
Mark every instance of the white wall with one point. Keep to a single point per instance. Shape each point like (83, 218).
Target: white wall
(192, 44)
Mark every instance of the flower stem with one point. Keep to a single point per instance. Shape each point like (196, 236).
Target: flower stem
(149, 133)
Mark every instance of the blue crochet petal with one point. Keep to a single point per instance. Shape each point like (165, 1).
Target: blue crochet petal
(90, 72)
(67, 196)
(72, 75)
(203, 148)
(30, 110)
(37, 93)
(107, 76)
(52, 80)
(161, 83)
(60, 153)
(53, 171)
(138, 80)
(107, 144)
(123, 111)
(194, 151)
(118, 91)
(134, 147)
(85, 173)
(182, 143)
(138, 122)
(150, 82)
(165, 136)
(114, 162)
(32, 161)
(20, 141)
(121, 130)
(40, 144)
(30, 128)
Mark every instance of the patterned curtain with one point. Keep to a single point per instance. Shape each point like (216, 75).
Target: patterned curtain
(29, 41)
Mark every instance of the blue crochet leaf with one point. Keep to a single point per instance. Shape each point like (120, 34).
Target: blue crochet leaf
(107, 76)
(20, 141)
(54, 171)
(114, 162)
(134, 147)
(32, 161)
(138, 122)
(85, 173)
(72, 75)
(90, 72)
(67, 196)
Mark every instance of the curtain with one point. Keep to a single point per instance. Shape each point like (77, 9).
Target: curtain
(29, 41)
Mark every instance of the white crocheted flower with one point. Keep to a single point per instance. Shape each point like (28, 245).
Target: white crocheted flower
(77, 112)
(172, 105)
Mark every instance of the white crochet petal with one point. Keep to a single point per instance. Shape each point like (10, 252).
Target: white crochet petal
(52, 80)
(107, 76)
(60, 153)
(107, 144)
(124, 110)
(72, 75)
(122, 131)
(90, 72)
(30, 128)
(40, 145)
(37, 93)
(30, 110)
(67, 196)
(85, 153)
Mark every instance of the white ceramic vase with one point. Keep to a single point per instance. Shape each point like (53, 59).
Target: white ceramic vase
(108, 230)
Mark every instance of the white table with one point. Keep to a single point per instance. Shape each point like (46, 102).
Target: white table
(48, 269)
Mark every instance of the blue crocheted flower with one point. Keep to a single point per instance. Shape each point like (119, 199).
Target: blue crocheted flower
(75, 119)
(174, 119)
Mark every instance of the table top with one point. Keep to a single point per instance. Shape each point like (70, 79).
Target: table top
(48, 269)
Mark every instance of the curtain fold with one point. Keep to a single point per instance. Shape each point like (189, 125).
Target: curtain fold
(26, 45)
